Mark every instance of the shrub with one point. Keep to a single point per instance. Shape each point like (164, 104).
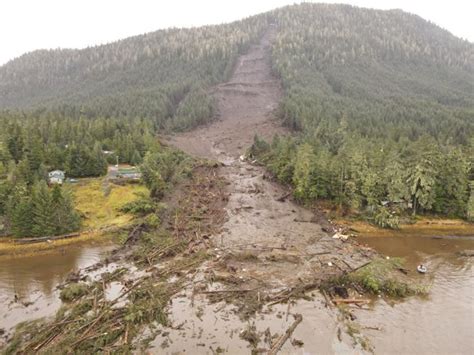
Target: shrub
(73, 292)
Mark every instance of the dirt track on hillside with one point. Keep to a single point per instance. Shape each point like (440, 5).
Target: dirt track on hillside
(270, 248)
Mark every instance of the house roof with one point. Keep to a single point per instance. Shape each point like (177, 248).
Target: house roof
(55, 172)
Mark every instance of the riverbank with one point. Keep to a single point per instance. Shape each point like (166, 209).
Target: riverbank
(440, 323)
(423, 226)
(9, 248)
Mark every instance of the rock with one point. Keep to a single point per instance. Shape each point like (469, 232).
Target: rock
(341, 291)
(466, 253)
(340, 236)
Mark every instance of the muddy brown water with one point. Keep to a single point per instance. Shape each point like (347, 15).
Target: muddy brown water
(442, 323)
(28, 284)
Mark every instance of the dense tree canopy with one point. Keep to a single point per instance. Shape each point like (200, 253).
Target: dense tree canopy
(161, 75)
(384, 105)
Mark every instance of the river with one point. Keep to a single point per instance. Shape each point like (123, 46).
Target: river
(443, 323)
(28, 283)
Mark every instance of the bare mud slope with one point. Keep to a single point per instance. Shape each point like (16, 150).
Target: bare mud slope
(270, 250)
(245, 105)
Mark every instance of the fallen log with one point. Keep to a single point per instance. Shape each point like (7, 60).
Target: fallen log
(327, 300)
(350, 300)
(283, 197)
(45, 239)
(282, 340)
(361, 266)
(228, 291)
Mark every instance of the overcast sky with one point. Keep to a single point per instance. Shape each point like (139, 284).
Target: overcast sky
(26, 25)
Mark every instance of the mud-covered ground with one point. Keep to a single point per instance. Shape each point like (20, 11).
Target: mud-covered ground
(270, 251)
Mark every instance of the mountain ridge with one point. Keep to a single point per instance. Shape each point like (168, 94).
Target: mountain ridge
(79, 73)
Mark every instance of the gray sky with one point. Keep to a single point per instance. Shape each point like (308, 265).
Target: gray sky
(26, 25)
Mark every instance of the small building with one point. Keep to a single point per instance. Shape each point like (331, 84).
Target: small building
(56, 177)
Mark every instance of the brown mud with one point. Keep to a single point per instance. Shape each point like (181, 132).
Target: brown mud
(270, 251)
(245, 105)
(113, 299)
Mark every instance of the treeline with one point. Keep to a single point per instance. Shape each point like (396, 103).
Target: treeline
(381, 179)
(34, 143)
(37, 210)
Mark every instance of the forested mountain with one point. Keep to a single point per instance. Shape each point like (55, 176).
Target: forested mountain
(375, 68)
(382, 103)
(157, 75)
(383, 72)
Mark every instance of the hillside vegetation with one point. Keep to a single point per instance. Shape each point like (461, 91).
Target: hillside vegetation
(382, 103)
(161, 75)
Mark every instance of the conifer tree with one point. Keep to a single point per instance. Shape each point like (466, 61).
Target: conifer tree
(98, 162)
(20, 212)
(15, 142)
(43, 210)
(136, 158)
(66, 218)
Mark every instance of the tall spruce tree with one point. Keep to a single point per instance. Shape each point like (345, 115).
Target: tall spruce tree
(20, 212)
(97, 161)
(66, 218)
(43, 210)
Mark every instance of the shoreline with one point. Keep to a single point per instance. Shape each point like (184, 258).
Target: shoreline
(429, 227)
(424, 226)
(9, 248)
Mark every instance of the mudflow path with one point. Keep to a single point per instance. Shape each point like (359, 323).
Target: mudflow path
(268, 242)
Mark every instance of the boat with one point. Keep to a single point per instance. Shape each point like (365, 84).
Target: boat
(421, 269)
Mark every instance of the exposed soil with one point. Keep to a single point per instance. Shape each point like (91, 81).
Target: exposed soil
(260, 219)
(271, 250)
(245, 103)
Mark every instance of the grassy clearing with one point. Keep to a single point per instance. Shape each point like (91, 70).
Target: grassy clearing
(100, 201)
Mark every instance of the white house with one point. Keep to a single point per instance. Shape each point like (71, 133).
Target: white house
(56, 177)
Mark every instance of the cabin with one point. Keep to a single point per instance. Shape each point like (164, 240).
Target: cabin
(124, 173)
(129, 173)
(56, 177)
